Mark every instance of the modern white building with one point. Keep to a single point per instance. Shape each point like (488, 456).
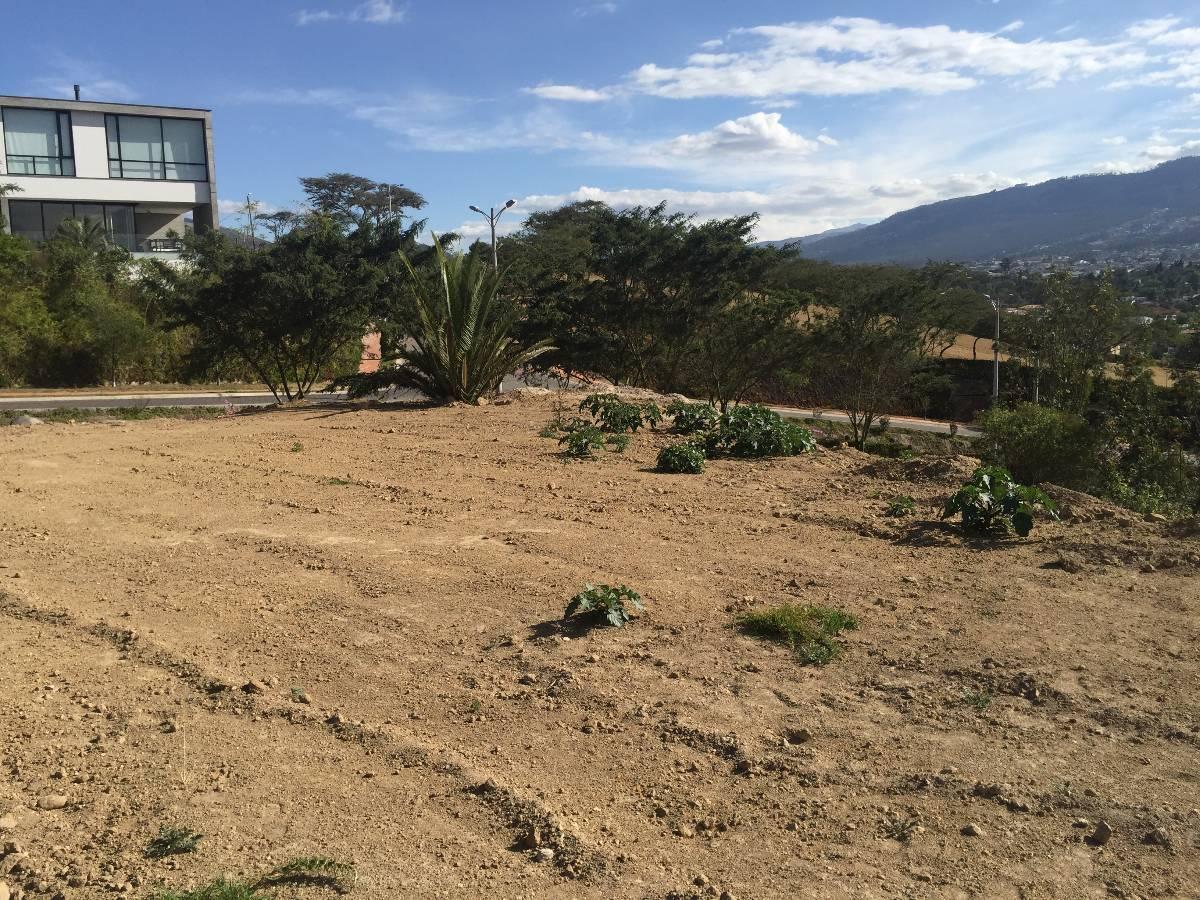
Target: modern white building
(141, 170)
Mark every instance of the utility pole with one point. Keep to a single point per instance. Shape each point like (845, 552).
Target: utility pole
(493, 216)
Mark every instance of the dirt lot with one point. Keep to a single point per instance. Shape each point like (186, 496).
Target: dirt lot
(337, 633)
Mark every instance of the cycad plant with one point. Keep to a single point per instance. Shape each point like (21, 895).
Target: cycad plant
(461, 346)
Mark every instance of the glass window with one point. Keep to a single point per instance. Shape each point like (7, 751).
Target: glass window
(53, 215)
(25, 219)
(149, 147)
(120, 224)
(38, 221)
(38, 142)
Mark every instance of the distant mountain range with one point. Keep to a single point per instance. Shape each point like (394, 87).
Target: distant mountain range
(1103, 215)
(809, 239)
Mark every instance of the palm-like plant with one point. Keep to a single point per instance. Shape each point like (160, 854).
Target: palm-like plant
(86, 233)
(461, 347)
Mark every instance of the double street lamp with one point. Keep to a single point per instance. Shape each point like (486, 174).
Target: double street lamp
(493, 216)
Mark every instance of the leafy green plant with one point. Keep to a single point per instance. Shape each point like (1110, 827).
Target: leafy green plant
(581, 439)
(978, 699)
(753, 431)
(902, 505)
(690, 418)
(687, 459)
(809, 630)
(297, 447)
(172, 840)
(618, 443)
(605, 602)
(652, 414)
(615, 415)
(992, 503)
(220, 889)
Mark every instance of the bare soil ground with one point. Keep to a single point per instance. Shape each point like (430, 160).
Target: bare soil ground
(334, 632)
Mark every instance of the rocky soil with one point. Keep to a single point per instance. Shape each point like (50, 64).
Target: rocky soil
(337, 632)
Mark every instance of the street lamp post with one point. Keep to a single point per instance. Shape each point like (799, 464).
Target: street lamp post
(995, 351)
(493, 216)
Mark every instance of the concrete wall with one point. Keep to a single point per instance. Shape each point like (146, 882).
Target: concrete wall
(91, 144)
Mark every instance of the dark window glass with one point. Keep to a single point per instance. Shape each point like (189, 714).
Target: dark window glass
(25, 219)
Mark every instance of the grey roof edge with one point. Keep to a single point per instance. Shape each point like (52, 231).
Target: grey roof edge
(98, 105)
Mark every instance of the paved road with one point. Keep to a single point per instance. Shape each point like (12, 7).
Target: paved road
(241, 398)
(901, 423)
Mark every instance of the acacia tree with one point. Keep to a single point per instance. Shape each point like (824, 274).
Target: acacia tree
(286, 311)
(353, 201)
(647, 297)
(867, 345)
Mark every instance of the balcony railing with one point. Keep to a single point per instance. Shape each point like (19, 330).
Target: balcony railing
(163, 245)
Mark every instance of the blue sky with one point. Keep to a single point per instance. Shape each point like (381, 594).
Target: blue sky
(813, 114)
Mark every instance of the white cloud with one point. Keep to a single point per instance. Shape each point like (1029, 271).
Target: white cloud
(788, 210)
(754, 135)
(1151, 28)
(849, 56)
(569, 93)
(1014, 25)
(1115, 141)
(372, 12)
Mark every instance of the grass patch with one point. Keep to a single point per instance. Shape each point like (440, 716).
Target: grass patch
(125, 413)
(338, 481)
(172, 840)
(808, 630)
(297, 447)
(902, 505)
(314, 871)
(980, 700)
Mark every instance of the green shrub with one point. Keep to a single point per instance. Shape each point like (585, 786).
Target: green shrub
(685, 459)
(1037, 443)
(616, 416)
(690, 418)
(808, 630)
(618, 443)
(889, 447)
(581, 439)
(753, 431)
(902, 505)
(605, 603)
(992, 503)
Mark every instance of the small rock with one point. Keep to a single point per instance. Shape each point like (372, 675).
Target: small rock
(4, 892)
(8, 822)
(528, 678)
(1081, 823)
(53, 801)
(1102, 835)
(27, 420)
(255, 686)
(1157, 838)
(531, 839)
(544, 854)
(972, 830)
